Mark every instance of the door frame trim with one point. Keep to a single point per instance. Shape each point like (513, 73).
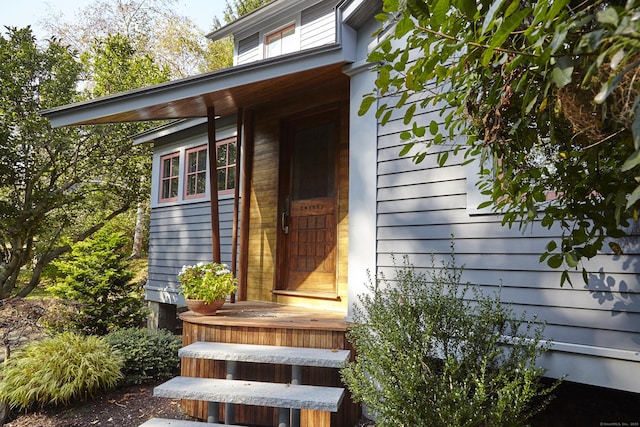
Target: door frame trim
(284, 184)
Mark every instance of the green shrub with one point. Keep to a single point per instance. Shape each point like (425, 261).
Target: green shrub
(95, 275)
(58, 370)
(431, 352)
(147, 355)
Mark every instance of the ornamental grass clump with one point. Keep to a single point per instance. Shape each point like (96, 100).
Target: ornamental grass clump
(433, 352)
(207, 282)
(59, 370)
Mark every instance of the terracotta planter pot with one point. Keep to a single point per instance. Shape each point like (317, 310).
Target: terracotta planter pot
(201, 307)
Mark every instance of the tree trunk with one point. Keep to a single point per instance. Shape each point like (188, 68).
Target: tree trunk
(139, 231)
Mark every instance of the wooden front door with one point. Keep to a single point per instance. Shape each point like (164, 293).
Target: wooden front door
(308, 204)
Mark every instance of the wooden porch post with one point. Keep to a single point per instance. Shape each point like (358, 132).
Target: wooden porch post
(213, 184)
(236, 198)
(246, 173)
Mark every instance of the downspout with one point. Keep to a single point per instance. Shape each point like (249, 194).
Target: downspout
(213, 184)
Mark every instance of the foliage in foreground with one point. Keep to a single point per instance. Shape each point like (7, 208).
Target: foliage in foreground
(59, 370)
(546, 95)
(431, 352)
(147, 355)
(95, 275)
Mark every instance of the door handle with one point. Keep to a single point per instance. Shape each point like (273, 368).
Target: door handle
(285, 228)
(283, 218)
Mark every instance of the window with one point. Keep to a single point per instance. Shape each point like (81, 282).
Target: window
(226, 165)
(280, 42)
(196, 172)
(196, 179)
(170, 174)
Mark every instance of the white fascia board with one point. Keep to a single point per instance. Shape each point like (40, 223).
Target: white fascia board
(196, 86)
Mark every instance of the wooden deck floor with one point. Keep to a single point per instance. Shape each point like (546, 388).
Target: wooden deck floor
(258, 314)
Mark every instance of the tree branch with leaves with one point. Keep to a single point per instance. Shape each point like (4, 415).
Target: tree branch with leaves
(545, 94)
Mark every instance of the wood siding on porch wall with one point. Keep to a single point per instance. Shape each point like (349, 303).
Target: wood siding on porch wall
(263, 205)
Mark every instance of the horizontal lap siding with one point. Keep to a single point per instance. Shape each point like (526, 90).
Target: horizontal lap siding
(421, 205)
(318, 25)
(249, 49)
(181, 234)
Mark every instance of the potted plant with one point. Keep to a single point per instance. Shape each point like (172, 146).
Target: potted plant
(205, 286)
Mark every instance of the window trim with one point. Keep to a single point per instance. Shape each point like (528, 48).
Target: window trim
(279, 31)
(170, 177)
(227, 166)
(187, 152)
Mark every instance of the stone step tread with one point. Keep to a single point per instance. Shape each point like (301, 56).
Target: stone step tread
(317, 357)
(274, 395)
(166, 422)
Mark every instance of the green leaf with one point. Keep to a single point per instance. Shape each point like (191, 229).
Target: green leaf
(433, 127)
(367, 102)
(386, 117)
(562, 71)
(488, 19)
(555, 260)
(565, 278)
(418, 9)
(418, 131)
(439, 14)
(510, 24)
(612, 83)
(468, 7)
(381, 17)
(405, 135)
(418, 158)
(404, 26)
(486, 204)
(633, 198)
(632, 161)
(405, 150)
(442, 158)
(515, 4)
(408, 115)
(571, 259)
(552, 246)
(556, 7)
(608, 16)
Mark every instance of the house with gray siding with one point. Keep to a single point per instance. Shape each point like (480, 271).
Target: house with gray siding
(324, 197)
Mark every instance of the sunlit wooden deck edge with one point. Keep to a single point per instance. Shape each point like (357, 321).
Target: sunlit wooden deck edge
(267, 315)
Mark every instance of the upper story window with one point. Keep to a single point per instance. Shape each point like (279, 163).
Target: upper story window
(196, 172)
(226, 155)
(280, 42)
(170, 176)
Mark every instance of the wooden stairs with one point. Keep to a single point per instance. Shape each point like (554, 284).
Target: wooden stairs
(298, 404)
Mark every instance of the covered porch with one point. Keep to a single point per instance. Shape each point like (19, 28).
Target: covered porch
(292, 293)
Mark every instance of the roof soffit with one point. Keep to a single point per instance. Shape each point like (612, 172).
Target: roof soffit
(226, 91)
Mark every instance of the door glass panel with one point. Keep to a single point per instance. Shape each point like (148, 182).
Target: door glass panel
(313, 173)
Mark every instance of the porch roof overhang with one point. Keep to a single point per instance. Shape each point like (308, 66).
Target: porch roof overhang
(243, 86)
